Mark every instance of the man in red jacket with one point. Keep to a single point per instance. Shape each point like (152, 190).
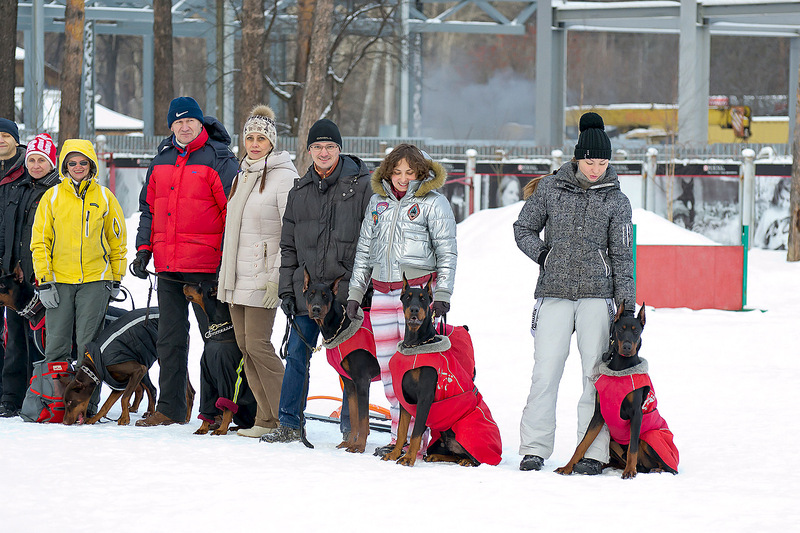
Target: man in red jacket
(182, 206)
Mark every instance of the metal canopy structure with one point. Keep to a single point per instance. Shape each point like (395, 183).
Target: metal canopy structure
(695, 21)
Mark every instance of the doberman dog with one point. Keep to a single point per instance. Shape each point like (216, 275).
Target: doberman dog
(348, 344)
(121, 357)
(419, 386)
(223, 385)
(640, 438)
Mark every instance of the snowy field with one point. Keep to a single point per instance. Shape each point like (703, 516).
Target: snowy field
(727, 382)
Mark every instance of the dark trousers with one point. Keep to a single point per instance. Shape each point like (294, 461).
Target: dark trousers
(18, 360)
(173, 341)
(294, 390)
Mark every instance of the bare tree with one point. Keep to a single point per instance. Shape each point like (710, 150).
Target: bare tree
(8, 44)
(163, 90)
(305, 20)
(355, 34)
(70, 111)
(253, 53)
(793, 245)
(314, 97)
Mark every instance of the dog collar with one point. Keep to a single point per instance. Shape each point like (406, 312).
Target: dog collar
(91, 375)
(32, 308)
(641, 368)
(216, 329)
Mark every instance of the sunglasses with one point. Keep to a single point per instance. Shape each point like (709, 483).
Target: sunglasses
(83, 163)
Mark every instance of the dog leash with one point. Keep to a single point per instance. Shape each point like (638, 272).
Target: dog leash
(285, 342)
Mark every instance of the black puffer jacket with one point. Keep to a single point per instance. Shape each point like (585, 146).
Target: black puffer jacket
(320, 227)
(21, 201)
(588, 233)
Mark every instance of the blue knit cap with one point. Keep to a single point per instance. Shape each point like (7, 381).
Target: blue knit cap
(10, 127)
(184, 107)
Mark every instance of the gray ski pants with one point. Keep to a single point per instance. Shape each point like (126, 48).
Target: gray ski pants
(556, 320)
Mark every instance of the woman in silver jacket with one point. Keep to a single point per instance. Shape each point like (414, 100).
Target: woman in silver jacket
(409, 228)
(248, 275)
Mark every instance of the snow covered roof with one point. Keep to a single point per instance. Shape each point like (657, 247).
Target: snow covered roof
(105, 119)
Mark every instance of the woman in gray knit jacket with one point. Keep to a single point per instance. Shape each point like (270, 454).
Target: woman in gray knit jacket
(585, 269)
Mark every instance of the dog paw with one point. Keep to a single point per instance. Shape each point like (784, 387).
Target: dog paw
(629, 474)
(219, 431)
(564, 470)
(124, 420)
(407, 460)
(201, 431)
(357, 448)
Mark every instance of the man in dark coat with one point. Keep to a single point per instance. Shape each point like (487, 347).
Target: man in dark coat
(20, 199)
(320, 231)
(12, 169)
(183, 204)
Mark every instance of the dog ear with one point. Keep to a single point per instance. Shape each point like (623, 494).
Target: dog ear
(66, 379)
(306, 279)
(620, 309)
(405, 282)
(335, 286)
(428, 288)
(641, 316)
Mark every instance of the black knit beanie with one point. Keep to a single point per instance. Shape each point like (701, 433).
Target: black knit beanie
(593, 143)
(324, 130)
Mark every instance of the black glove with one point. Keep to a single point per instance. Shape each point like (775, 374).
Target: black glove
(289, 305)
(440, 308)
(139, 265)
(352, 309)
(542, 257)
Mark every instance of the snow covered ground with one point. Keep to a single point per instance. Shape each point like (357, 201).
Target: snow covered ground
(727, 384)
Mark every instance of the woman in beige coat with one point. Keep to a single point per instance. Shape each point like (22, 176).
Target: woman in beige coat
(248, 277)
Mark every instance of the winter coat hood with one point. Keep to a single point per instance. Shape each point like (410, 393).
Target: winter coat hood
(82, 146)
(434, 180)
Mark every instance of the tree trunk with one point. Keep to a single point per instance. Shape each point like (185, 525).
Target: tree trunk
(253, 52)
(8, 44)
(793, 246)
(314, 97)
(163, 88)
(305, 20)
(70, 112)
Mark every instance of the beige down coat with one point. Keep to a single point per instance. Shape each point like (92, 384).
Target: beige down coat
(251, 252)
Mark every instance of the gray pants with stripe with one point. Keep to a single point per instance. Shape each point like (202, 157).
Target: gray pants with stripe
(557, 318)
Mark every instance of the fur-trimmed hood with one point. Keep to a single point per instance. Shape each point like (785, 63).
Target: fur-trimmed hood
(435, 180)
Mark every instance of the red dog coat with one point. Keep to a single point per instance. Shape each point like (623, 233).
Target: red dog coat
(457, 403)
(611, 390)
(355, 337)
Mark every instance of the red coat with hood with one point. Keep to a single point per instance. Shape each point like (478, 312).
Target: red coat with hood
(457, 403)
(183, 201)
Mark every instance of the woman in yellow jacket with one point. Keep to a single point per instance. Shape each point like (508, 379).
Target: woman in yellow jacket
(78, 245)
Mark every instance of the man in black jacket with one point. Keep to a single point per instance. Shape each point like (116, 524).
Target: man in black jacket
(12, 168)
(320, 231)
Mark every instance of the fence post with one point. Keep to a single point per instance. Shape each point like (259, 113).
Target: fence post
(556, 160)
(650, 167)
(473, 186)
(748, 190)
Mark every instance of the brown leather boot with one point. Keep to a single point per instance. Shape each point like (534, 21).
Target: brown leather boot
(156, 419)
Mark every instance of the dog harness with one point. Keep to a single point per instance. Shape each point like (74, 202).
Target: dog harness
(457, 403)
(612, 387)
(357, 336)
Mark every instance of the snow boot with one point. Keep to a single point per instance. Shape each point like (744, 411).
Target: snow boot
(589, 467)
(531, 462)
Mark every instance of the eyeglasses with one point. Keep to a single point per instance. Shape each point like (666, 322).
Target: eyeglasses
(83, 163)
(320, 147)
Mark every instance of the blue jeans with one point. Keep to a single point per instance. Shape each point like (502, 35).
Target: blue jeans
(293, 399)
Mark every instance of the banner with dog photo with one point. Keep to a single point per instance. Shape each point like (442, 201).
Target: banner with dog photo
(701, 197)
